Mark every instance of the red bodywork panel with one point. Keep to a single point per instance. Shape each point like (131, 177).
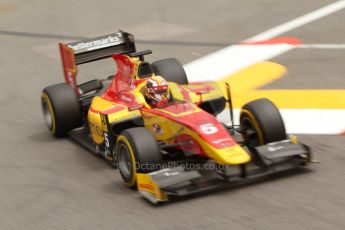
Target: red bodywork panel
(119, 90)
(201, 122)
(123, 79)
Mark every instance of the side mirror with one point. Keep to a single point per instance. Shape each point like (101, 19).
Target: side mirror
(200, 93)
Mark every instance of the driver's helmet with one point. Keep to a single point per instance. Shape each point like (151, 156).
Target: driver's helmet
(157, 89)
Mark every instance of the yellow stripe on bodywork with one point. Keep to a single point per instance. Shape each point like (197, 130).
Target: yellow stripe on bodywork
(195, 110)
(213, 93)
(145, 183)
(234, 155)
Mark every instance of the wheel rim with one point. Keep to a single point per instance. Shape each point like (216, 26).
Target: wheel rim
(48, 119)
(250, 133)
(125, 161)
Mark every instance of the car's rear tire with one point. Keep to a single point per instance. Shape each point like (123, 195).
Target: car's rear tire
(136, 151)
(261, 123)
(170, 69)
(61, 109)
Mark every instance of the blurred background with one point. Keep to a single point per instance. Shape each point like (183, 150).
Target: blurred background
(47, 183)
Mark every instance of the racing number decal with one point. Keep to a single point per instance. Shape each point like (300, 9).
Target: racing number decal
(107, 148)
(208, 128)
(106, 141)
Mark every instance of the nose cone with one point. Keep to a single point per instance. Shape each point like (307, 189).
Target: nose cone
(233, 155)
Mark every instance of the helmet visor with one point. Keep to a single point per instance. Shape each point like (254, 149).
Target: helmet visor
(160, 89)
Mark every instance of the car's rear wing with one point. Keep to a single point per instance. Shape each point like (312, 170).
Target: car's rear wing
(88, 50)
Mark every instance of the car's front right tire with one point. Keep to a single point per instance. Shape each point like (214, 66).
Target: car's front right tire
(261, 123)
(171, 70)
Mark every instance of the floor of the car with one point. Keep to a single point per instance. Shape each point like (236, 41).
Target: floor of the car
(83, 137)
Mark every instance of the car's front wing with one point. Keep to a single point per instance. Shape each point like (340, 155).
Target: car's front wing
(184, 180)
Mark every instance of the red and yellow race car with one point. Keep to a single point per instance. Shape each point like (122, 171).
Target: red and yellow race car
(175, 148)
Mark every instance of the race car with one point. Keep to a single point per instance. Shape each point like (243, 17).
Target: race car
(165, 150)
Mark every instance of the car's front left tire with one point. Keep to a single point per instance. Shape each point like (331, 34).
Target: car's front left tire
(136, 151)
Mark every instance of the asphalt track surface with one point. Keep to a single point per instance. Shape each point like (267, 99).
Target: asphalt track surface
(47, 183)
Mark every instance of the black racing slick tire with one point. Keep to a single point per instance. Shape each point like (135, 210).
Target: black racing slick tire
(171, 70)
(137, 151)
(261, 123)
(61, 109)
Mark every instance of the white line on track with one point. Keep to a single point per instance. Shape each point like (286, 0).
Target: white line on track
(321, 46)
(300, 21)
(317, 121)
(232, 59)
